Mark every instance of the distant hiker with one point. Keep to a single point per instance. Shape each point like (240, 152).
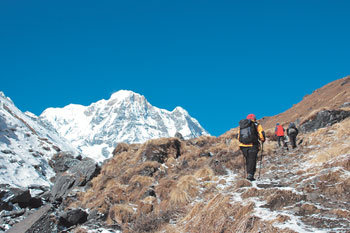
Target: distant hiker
(279, 132)
(292, 133)
(250, 132)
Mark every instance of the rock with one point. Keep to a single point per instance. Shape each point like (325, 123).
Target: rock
(323, 119)
(73, 217)
(4, 202)
(159, 150)
(280, 199)
(8, 152)
(39, 187)
(62, 186)
(20, 196)
(61, 162)
(121, 147)
(56, 148)
(345, 105)
(13, 214)
(84, 171)
(35, 202)
(149, 192)
(206, 154)
(217, 167)
(39, 221)
(179, 136)
(77, 175)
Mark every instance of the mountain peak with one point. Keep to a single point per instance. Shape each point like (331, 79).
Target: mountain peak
(125, 117)
(181, 110)
(123, 94)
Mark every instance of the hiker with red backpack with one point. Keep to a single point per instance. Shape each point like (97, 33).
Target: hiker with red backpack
(279, 132)
(249, 135)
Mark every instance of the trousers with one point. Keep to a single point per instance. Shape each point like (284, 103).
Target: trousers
(250, 154)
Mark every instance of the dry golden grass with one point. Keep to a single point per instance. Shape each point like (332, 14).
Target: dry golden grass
(146, 168)
(342, 213)
(80, 230)
(120, 214)
(188, 183)
(141, 181)
(215, 214)
(184, 191)
(179, 197)
(269, 148)
(205, 173)
(329, 153)
(331, 142)
(146, 206)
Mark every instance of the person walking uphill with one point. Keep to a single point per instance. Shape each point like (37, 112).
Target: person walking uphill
(249, 135)
(292, 133)
(279, 132)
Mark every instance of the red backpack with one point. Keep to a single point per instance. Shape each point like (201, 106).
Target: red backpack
(279, 130)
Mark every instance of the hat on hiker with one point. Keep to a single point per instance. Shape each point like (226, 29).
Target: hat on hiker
(251, 117)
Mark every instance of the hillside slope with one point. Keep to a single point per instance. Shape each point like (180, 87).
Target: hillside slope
(198, 185)
(25, 147)
(330, 96)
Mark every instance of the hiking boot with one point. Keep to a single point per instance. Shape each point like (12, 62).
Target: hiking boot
(250, 177)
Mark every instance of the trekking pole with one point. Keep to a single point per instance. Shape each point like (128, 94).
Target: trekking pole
(261, 155)
(244, 165)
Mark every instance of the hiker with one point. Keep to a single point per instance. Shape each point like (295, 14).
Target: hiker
(279, 132)
(292, 133)
(250, 132)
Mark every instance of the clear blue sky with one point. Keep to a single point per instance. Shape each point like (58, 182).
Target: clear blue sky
(220, 60)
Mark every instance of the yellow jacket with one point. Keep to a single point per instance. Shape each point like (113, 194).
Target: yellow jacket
(261, 135)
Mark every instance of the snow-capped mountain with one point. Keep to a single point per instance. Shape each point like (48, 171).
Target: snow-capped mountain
(25, 147)
(125, 117)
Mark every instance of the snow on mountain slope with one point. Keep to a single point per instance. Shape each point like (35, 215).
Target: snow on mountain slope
(25, 147)
(125, 117)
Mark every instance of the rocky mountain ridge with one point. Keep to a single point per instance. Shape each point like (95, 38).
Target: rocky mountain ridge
(125, 117)
(25, 147)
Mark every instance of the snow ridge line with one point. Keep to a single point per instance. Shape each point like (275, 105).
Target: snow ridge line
(23, 121)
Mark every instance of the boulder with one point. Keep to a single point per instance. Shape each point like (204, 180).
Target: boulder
(61, 162)
(121, 147)
(77, 175)
(73, 217)
(39, 221)
(345, 105)
(161, 149)
(4, 202)
(23, 198)
(323, 119)
(179, 136)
